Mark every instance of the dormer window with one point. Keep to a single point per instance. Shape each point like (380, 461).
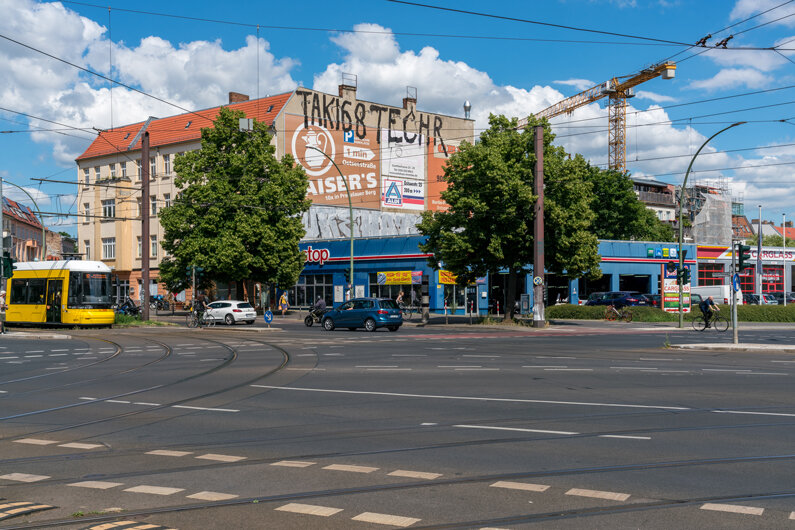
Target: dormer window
(270, 108)
(188, 124)
(126, 136)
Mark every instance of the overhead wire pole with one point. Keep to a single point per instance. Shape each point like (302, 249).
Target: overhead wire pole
(144, 227)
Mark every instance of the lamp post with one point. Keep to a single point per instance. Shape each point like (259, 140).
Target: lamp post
(784, 254)
(681, 209)
(350, 206)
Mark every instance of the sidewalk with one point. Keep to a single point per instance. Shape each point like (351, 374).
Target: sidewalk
(778, 348)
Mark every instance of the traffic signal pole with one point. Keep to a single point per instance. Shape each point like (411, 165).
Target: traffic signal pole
(735, 332)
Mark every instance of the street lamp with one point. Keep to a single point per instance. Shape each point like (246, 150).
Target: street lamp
(681, 208)
(350, 206)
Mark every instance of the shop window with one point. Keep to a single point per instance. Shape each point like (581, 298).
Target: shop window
(309, 287)
(411, 292)
(709, 274)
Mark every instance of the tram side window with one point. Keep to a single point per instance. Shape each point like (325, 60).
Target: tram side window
(75, 292)
(28, 291)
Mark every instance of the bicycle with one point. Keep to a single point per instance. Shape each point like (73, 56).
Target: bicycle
(719, 322)
(195, 319)
(611, 314)
(408, 310)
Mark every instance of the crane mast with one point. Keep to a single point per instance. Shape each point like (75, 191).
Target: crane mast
(617, 90)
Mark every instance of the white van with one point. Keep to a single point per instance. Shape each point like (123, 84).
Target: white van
(720, 293)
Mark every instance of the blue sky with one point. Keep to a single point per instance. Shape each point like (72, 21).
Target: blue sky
(502, 66)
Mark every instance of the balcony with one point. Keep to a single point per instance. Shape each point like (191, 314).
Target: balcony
(649, 197)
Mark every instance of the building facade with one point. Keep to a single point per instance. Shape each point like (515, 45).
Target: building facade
(390, 157)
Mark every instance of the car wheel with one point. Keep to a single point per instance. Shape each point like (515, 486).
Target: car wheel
(369, 324)
(230, 320)
(392, 328)
(328, 324)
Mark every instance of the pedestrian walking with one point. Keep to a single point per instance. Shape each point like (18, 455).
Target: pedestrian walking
(3, 308)
(284, 305)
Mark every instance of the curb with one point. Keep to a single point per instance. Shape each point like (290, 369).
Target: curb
(778, 348)
(36, 336)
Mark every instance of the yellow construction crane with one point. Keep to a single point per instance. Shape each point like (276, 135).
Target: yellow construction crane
(618, 90)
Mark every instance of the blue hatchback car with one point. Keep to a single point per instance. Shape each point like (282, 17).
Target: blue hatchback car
(367, 313)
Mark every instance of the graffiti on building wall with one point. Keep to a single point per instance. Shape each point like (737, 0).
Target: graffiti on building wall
(326, 222)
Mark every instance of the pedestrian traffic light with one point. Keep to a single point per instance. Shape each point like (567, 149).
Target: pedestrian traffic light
(670, 267)
(685, 275)
(743, 257)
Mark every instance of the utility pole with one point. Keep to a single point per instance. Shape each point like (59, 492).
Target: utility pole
(538, 233)
(3, 238)
(145, 227)
(758, 278)
(784, 254)
(735, 332)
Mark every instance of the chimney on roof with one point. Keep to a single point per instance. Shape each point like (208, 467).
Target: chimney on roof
(411, 97)
(348, 86)
(237, 97)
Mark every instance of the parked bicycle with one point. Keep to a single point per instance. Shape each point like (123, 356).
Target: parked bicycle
(611, 314)
(194, 319)
(718, 322)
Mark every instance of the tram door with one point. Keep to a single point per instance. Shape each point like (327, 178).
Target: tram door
(54, 301)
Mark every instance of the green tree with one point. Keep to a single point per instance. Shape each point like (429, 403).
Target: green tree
(239, 213)
(619, 213)
(770, 241)
(489, 226)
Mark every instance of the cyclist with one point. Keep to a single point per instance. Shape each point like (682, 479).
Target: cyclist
(200, 305)
(707, 306)
(399, 299)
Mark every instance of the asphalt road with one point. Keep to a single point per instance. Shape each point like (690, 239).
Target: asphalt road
(577, 426)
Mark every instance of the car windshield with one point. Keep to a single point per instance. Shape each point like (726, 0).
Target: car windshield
(388, 304)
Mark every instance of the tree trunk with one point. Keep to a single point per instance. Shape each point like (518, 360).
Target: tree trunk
(510, 295)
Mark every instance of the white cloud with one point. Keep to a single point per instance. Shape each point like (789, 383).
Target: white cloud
(579, 84)
(733, 78)
(652, 96)
(763, 60)
(746, 8)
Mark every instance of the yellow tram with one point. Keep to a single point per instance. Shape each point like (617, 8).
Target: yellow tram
(75, 293)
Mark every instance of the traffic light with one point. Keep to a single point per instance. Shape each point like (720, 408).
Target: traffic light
(8, 265)
(685, 275)
(743, 257)
(347, 273)
(670, 267)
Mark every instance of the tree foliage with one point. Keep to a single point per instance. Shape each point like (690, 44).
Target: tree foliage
(770, 241)
(489, 226)
(239, 213)
(620, 215)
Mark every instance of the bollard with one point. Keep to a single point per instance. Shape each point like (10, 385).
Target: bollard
(445, 313)
(498, 308)
(471, 308)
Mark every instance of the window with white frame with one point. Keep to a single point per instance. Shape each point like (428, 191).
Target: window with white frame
(87, 248)
(97, 174)
(86, 212)
(124, 170)
(86, 176)
(138, 201)
(153, 250)
(108, 248)
(140, 249)
(153, 204)
(138, 168)
(152, 167)
(167, 164)
(166, 200)
(109, 208)
(113, 170)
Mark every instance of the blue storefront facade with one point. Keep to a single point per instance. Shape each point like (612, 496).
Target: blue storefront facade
(384, 266)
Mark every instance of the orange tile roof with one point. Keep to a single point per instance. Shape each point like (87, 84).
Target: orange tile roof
(790, 232)
(180, 128)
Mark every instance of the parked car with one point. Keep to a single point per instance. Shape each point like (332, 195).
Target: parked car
(655, 300)
(231, 312)
(620, 299)
(367, 313)
(753, 299)
(780, 298)
(695, 300)
(592, 298)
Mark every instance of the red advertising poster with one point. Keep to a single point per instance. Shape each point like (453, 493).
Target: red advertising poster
(357, 159)
(437, 159)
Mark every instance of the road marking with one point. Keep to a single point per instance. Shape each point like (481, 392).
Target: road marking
(767, 373)
(293, 463)
(35, 441)
(608, 495)
(352, 469)
(782, 361)
(723, 370)
(631, 368)
(211, 496)
(545, 366)
(458, 366)
(428, 424)
(95, 484)
(414, 474)
(117, 401)
(486, 356)
(166, 452)
(203, 408)
(75, 445)
(477, 369)
(35, 351)
(154, 490)
(753, 413)
(382, 518)
(657, 359)
(792, 515)
(568, 369)
(221, 458)
(625, 437)
(58, 354)
(414, 355)
(519, 486)
(24, 477)
(33, 356)
(308, 509)
(471, 398)
(147, 404)
(487, 427)
(389, 369)
(553, 357)
(374, 366)
(733, 508)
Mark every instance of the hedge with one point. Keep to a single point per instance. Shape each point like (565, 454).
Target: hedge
(745, 313)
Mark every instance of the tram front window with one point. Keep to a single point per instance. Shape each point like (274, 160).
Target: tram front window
(89, 290)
